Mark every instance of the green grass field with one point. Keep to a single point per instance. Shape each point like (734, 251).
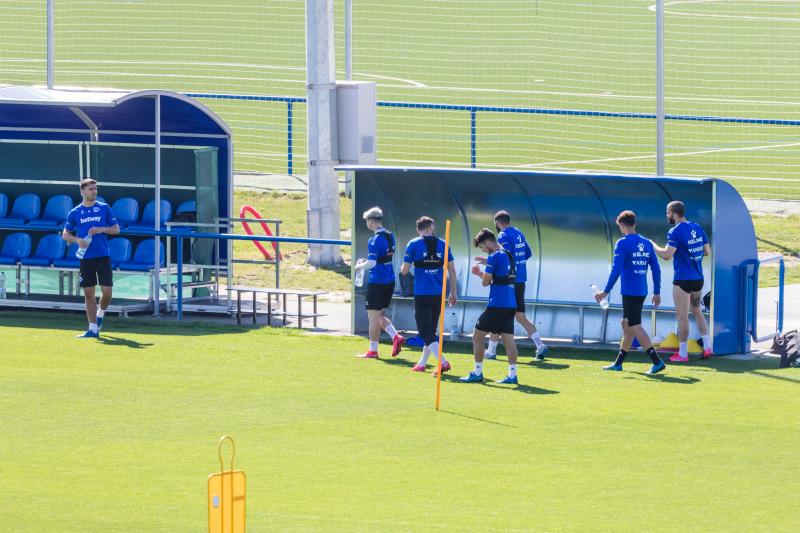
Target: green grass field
(120, 435)
(733, 59)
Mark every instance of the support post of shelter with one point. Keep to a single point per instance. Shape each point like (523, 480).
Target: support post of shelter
(157, 223)
(323, 185)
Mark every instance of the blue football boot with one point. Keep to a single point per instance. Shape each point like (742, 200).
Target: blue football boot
(615, 368)
(490, 356)
(508, 380)
(655, 369)
(540, 352)
(99, 323)
(89, 334)
(472, 378)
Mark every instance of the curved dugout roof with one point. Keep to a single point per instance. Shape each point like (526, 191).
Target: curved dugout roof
(112, 111)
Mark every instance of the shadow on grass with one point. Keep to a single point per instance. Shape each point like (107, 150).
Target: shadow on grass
(664, 378)
(522, 388)
(111, 340)
(774, 376)
(164, 325)
(478, 419)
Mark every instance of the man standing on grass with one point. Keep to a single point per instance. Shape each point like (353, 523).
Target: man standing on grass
(498, 317)
(632, 256)
(513, 240)
(426, 253)
(687, 244)
(88, 224)
(381, 283)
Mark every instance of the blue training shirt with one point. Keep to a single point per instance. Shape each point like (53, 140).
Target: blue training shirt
(501, 296)
(82, 218)
(378, 246)
(632, 255)
(427, 282)
(688, 239)
(514, 241)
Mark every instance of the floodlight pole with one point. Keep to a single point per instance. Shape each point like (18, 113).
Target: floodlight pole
(50, 45)
(660, 117)
(157, 223)
(323, 185)
(348, 75)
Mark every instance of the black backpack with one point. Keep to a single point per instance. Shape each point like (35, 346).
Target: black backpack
(788, 347)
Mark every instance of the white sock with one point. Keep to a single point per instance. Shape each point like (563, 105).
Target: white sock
(93, 327)
(512, 371)
(101, 312)
(391, 331)
(434, 349)
(373, 346)
(706, 342)
(535, 337)
(478, 368)
(684, 349)
(492, 349)
(426, 353)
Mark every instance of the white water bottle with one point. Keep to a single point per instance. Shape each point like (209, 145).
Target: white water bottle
(82, 251)
(595, 291)
(453, 326)
(359, 277)
(2, 285)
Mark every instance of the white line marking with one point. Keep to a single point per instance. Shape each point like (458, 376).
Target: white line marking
(653, 156)
(719, 16)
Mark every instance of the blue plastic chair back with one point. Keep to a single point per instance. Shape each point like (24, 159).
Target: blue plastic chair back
(17, 245)
(3, 205)
(57, 208)
(120, 250)
(50, 247)
(149, 215)
(189, 206)
(126, 210)
(72, 250)
(26, 206)
(145, 253)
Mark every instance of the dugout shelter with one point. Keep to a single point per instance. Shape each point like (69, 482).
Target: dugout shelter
(569, 222)
(159, 157)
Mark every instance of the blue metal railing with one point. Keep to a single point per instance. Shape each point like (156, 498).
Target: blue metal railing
(180, 235)
(473, 111)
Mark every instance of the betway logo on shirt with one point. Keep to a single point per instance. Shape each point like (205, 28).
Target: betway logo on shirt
(89, 219)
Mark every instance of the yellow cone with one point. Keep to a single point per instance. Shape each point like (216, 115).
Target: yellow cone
(671, 342)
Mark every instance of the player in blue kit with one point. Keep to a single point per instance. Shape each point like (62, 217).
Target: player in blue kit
(426, 253)
(380, 288)
(687, 244)
(513, 240)
(633, 254)
(88, 224)
(498, 317)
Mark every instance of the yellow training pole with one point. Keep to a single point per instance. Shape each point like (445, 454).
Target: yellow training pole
(442, 316)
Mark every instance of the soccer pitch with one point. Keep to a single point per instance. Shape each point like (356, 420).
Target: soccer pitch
(723, 59)
(120, 435)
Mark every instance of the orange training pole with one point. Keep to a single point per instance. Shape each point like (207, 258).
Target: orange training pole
(442, 316)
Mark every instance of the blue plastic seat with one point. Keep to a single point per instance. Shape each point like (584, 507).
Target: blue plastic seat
(127, 211)
(26, 208)
(144, 257)
(15, 247)
(3, 205)
(189, 206)
(50, 248)
(120, 251)
(70, 260)
(149, 216)
(55, 212)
